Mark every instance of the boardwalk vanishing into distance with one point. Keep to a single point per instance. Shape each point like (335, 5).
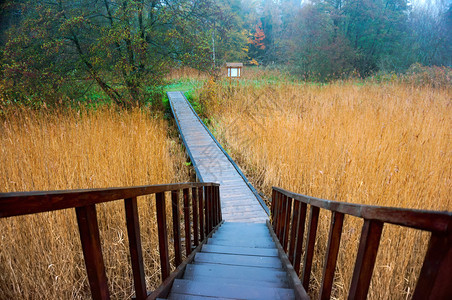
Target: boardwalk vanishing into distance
(240, 260)
(239, 201)
(220, 243)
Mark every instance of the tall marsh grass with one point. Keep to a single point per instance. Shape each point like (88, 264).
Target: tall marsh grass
(372, 144)
(40, 255)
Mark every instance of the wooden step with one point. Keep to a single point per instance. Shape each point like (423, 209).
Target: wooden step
(263, 275)
(242, 234)
(236, 230)
(239, 250)
(242, 225)
(246, 237)
(255, 243)
(176, 296)
(247, 282)
(238, 260)
(226, 290)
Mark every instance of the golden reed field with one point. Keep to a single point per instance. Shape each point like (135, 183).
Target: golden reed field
(372, 144)
(387, 144)
(40, 255)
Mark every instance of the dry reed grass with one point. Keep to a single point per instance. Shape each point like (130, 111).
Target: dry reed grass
(372, 144)
(40, 255)
(186, 73)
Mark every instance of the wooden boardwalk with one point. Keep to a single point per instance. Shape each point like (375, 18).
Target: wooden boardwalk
(238, 201)
(241, 260)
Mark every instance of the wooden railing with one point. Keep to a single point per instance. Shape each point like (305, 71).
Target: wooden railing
(289, 211)
(201, 208)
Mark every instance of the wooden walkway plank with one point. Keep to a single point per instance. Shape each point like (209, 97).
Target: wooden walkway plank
(239, 250)
(234, 291)
(237, 272)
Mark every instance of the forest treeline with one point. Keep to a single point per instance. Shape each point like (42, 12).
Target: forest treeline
(59, 49)
(327, 39)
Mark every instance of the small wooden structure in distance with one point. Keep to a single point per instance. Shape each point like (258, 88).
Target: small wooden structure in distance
(234, 70)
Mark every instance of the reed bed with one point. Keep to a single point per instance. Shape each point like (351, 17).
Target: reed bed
(40, 255)
(372, 144)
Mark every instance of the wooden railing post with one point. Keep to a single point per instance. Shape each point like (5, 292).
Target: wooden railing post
(287, 223)
(279, 214)
(365, 259)
(309, 253)
(92, 251)
(282, 217)
(295, 233)
(218, 205)
(163, 234)
(434, 280)
(176, 227)
(201, 212)
(194, 203)
(208, 209)
(272, 208)
(136, 255)
(334, 240)
(187, 222)
(300, 237)
(214, 207)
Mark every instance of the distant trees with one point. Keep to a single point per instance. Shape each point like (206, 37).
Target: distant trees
(431, 26)
(319, 50)
(59, 48)
(325, 39)
(124, 47)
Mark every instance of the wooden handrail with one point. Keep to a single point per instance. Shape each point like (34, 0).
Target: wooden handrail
(288, 222)
(44, 201)
(202, 204)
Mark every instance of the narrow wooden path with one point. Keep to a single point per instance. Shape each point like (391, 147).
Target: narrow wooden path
(241, 260)
(239, 203)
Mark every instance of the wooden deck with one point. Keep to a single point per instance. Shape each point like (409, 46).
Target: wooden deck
(238, 201)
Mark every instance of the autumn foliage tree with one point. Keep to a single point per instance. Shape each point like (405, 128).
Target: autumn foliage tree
(61, 47)
(257, 42)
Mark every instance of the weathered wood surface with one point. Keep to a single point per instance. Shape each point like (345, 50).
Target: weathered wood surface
(239, 261)
(434, 278)
(204, 200)
(238, 202)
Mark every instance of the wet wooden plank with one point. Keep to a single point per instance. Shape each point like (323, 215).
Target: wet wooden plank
(239, 272)
(176, 296)
(243, 243)
(234, 291)
(239, 250)
(240, 260)
(249, 282)
(251, 237)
